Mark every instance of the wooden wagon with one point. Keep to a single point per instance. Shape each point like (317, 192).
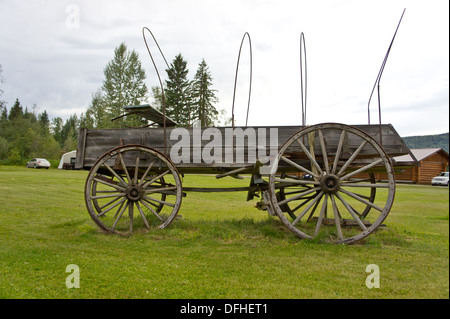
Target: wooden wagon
(328, 180)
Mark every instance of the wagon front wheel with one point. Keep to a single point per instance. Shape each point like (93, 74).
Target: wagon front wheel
(132, 188)
(325, 181)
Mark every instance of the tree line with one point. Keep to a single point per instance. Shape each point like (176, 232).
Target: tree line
(187, 102)
(25, 134)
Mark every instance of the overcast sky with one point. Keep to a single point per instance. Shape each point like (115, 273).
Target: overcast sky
(53, 54)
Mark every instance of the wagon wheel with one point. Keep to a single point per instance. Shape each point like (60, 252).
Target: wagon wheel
(133, 180)
(342, 162)
(289, 189)
(158, 206)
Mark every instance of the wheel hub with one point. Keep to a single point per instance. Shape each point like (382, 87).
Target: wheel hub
(135, 193)
(330, 183)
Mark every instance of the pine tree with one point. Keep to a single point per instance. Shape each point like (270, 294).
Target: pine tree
(177, 92)
(124, 81)
(44, 123)
(16, 111)
(204, 97)
(56, 128)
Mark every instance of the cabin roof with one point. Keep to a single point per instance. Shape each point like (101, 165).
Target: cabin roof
(419, 153)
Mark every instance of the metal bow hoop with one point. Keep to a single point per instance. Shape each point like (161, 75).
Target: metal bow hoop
(235, 79)
(303, 74)
(377, 81)
(159, 78)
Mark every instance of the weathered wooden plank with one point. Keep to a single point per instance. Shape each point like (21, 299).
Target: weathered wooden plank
(81, 148)
(93, 143)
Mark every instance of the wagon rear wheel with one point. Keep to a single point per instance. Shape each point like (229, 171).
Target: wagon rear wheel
(333, 182)
(131, 188)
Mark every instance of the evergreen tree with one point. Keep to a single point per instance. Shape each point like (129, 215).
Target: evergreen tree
(177, 92)
(124, 81)
(56, 128)
(157, 98)
(16, 111)
(31, 116)
(44, 123)
(203, 96)
(97, 115)
(69, 129)
(3, 113)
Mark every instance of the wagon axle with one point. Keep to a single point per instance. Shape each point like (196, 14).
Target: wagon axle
(330, 183)
(135, 193)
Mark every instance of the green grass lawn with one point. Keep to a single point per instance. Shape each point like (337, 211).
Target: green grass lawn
(222, 247)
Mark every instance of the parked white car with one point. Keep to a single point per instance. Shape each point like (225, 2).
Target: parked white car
(38, 163)
(442, 179)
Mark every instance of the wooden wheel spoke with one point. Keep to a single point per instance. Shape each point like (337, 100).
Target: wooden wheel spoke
(146, 172)
(109, 203)
(148, 198)
(350, 210)
(362, 196)
(313, 210)
(324, 152)
(105, 192)
(365, 185)
(307, 208)
(118, 195)
(156, 178)
(125, 168)
(144, 202)
(112, 207)
(120, 208)
(338, 151)
(352, 158)
(296, 182)
(109, 184)
(120, 215)
(297, 192)
(130, 214)
(144, 219)
(299, 167)
(136, 171)
(336, 217)
(116, 175)
(322, 213)
(362, 169)
(362, 200)
(306, 201)
(309, 191)
(308, 154)
(163, 190)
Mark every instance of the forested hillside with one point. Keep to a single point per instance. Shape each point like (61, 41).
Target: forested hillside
(428, 141)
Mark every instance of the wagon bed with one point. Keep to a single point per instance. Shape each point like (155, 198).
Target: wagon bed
(93, 143)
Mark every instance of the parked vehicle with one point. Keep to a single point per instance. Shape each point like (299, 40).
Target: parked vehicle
(38, 163)
(442, 179)
(68, 160)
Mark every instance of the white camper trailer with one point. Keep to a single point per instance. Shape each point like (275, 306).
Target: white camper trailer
(68, 160)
